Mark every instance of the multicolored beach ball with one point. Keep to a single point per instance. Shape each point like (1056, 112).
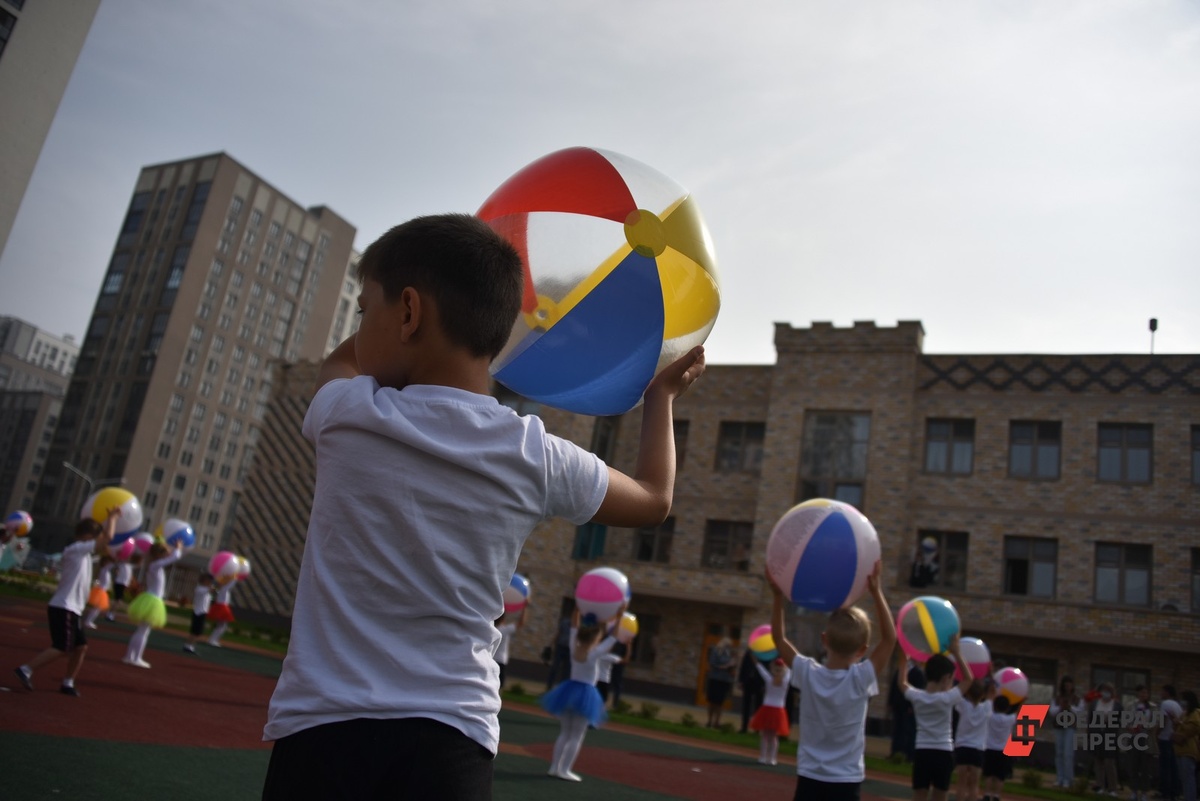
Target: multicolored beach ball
(19, 524)
(821, 553)
(516, 594)
(98, 503)
(602, 592)
(977, 656)
(762, 644)
(627, 628)
(925, 626)
(223, 565)
(1012, 683)
(174, 532)
(620, 278)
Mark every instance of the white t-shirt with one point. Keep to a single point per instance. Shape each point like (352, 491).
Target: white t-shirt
(507, 631)
(74, 576)
(1171, 712)
(104, 580)
(423, 499)
(833, 719)
(588, 671)
(774, 694)
(999, 728)
(156, 573)
(225, 592)
(934, 715)
(124, 573)
(201, 599)
(972, 724)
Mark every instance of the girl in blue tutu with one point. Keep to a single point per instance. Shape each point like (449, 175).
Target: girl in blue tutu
(576, 702)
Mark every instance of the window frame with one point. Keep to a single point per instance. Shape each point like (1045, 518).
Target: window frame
(659, 539)
(849, 486)
(731, 534)
(951, 560)
(1031, 558)
(744, 438)
(1124, 447)
(1038, 442)
(1122, 568)
(953, 439)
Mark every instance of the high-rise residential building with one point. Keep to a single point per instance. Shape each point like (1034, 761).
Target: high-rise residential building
(1062, 492)
(215, 274)
(39, 45)
(35, 367)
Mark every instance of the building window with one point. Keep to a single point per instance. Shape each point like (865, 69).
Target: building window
(1030, 565)
(654, 544)
(604, 437)
(156, 475)
(949, 446)
(1124, 452)
(1123, 574)
(173, 506)
(740, 447)
(589, 540)
(1124, 680)
(1196, 454)
(833, 457)
(680, 428)
(1033, 449)
(645, 645)
(948, 560)
(727, 545)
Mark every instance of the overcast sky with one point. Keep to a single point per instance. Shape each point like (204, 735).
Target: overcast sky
(1022, 176)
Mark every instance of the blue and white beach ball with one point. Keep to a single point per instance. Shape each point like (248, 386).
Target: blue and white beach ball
(821, 553)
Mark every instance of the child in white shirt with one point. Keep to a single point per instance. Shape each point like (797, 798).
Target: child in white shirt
(771, 719)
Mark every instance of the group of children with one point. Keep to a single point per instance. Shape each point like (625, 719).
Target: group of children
(77, 592)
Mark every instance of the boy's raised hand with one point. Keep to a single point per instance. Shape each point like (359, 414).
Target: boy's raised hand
(676, 377)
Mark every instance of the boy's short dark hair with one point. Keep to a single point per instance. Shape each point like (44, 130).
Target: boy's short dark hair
(1000, 705)
(473, 274)
(938, 667)
(88, 528)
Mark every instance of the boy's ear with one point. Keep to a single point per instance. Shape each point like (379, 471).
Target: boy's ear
(411, 312)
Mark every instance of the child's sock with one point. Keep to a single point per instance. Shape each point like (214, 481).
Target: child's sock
(68, 682)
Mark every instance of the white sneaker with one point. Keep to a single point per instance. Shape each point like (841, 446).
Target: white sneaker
(213, 644)
(570, 776)
(142, 663)
(90, 625)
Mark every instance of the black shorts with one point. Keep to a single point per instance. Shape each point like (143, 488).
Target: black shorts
(996, 765)
(717, 691)
(814, 790)
(932, 768)
(197, 624)
(65, 632)
(118, 592)
(364, 759)
(972, 757)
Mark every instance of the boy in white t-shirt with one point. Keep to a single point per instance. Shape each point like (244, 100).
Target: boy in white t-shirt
(933, 708)
(834, 696)
(426, 489)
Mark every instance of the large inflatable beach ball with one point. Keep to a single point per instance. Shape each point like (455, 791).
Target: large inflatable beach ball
(243, 568)
(98, 503)
(18, 524)
(977, 656)
(516, 594)
(1012, 683)
(122, 551)
(821, 553)
(620, 278)
(762, 644)
(601, 592)
(176, 532)
(925, 626)
(142, 541)
(627, 628)
(223, 565)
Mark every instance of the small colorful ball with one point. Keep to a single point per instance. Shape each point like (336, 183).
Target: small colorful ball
(821, 553)
(762, 644)
(223, 566)
(18, 524)
(98, 503)
(925, 626)
(516, 594)
(1012, 683)
(243, 568)
(123, 551)
(176, 532)
(142, 541)
(602, 592)
(977, 656)
(627, 629)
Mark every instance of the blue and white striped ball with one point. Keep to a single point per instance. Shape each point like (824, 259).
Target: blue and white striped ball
(821, 553)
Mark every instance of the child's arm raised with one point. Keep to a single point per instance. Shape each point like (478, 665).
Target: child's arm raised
(340, 363)
(786, 650)
(963, 667)
(882, 655)
(902, 672)
(645, 498)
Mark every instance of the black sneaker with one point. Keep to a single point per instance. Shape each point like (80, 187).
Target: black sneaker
(26, 680)
(71, 691)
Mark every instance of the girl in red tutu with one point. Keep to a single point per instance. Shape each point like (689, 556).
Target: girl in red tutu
(771, 719)
(220, 613)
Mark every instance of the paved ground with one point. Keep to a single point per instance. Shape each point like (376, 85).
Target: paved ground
(190, 728)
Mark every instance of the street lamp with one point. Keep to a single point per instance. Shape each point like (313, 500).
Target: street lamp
(92, 482)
